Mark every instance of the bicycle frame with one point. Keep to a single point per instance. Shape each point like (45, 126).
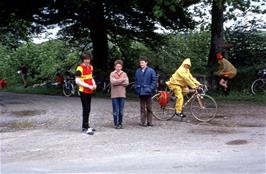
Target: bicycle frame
(202, 106)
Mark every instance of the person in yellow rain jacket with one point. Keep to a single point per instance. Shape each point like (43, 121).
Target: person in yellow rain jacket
(225, 72)
(180, 82)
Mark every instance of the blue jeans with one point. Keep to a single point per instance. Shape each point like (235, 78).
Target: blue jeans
(118, 109)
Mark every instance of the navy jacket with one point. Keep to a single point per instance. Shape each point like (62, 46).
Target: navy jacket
(145, 82)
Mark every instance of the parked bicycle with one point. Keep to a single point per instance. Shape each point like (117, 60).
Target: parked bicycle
(258, 87)
(70, 87)
(202, 106)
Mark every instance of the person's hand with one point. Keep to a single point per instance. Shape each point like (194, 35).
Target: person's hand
(94, 87)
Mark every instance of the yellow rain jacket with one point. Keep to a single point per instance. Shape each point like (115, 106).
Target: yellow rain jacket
(179, 83)
(226, 69)
(182, 77)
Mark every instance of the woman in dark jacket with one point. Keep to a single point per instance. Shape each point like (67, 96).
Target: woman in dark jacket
(145, 84)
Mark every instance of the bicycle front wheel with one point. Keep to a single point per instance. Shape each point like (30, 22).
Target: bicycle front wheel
(203, 108)
(163, 112)
(258, 87)
(67, 90)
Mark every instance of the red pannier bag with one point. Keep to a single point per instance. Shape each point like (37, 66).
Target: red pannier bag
(163, 98)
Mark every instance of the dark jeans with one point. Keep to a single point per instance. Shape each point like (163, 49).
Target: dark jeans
(145, 109)
(86, 108)
(118, 109)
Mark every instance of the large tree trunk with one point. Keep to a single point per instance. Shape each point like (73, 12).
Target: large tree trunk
(98, 36)
(217, 33)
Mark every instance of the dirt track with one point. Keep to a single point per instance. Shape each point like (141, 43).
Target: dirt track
(41, 134)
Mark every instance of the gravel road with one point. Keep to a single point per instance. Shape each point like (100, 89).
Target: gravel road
(41, 134)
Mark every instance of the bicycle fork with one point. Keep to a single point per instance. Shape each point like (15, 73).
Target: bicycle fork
(199, 97)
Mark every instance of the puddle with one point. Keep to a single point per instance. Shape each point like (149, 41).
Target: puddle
(206, 130)
(237, 142)
(16, 126)
(252, 125)
(28, 113)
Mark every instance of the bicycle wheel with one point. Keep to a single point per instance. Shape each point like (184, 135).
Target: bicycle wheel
(163, 112)
(258, 87)
(203, 108)
(67, 89)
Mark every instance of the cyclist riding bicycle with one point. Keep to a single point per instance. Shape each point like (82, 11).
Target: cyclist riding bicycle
(226, 71)
(179, 83)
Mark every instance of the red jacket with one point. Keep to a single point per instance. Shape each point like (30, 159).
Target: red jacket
(86, 76)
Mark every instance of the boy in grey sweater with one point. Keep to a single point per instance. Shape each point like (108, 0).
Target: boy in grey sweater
(119, 81)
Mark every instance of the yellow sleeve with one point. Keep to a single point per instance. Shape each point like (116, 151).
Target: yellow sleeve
(79, 68)
(186, 77)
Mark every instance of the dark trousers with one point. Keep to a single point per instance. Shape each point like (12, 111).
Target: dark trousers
(145, 109)
(118, 109)
(86, 108)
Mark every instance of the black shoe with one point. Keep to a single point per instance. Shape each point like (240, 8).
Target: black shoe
(142, 124)
(180, 115)
(84, 129)
(149, 124)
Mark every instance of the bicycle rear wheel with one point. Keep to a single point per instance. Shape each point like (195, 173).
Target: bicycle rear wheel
(258, 87)
(163, 112)
(203, 108)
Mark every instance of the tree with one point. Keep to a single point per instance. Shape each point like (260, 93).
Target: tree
(101, 20)
(227, 10)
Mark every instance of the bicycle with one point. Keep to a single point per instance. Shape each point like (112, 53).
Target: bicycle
(259, 85)
(70, 87)
(202, 106)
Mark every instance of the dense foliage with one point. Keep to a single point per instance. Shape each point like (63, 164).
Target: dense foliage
(46, 59)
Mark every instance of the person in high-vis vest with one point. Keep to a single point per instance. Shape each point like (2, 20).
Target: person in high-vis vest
(87, 85)
(180, 82)
(226, 71)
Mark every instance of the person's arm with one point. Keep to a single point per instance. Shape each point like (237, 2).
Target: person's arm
(94, 84)
(126, 81)
(83, 84)
(188, 81)
(115, 81)
(153, 80)
(194, 80)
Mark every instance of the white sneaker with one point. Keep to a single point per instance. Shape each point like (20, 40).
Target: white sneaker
(90, 131)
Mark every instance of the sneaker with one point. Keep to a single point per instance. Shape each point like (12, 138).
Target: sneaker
(120, 126)
(93, 129)
(90, 131)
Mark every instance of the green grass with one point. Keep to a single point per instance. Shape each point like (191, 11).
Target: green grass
(233, 96)
(240, 96)
(31, 90)
(53, 91)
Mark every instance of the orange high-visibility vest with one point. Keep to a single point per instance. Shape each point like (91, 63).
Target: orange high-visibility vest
(86, 76)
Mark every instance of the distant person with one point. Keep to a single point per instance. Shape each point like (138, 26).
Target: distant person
(179, 83)
(145, 85)
(119, 81)
(226, 71)
(59, 79)
(86, 83)
(24, 74)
